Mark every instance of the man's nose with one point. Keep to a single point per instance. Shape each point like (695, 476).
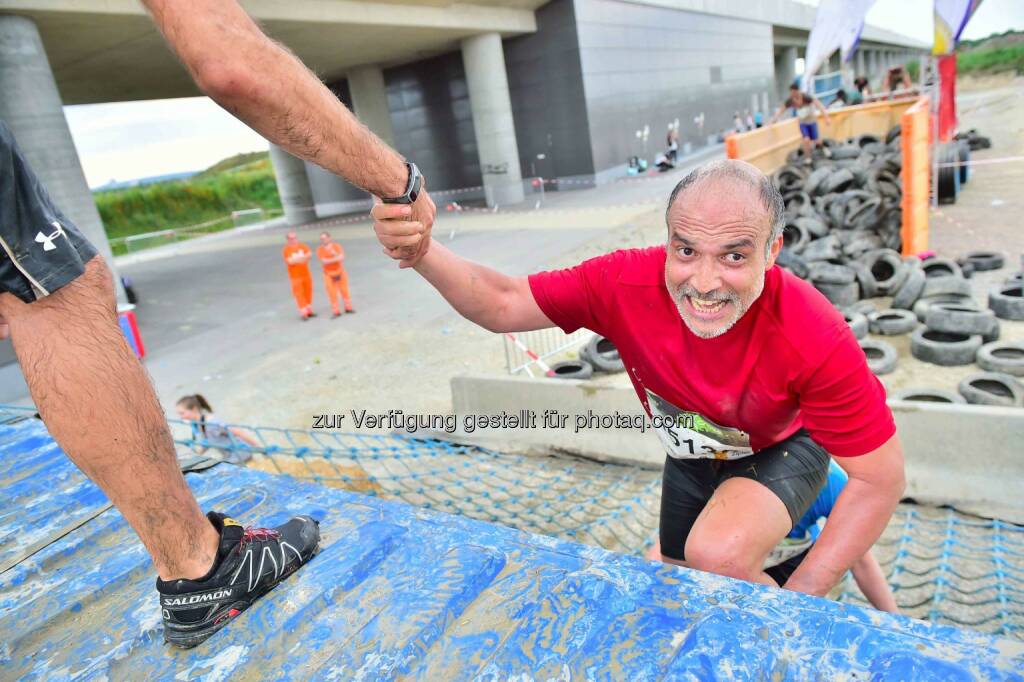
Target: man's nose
(705, 277)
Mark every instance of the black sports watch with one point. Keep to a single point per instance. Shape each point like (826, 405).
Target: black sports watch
(412, 188)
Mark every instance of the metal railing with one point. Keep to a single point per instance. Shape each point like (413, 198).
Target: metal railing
(147, 240)
(544, 344)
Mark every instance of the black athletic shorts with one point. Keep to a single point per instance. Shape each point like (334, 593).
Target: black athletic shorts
(41, 250)
(794, 469)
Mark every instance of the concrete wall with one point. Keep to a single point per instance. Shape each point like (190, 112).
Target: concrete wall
(648, 66)
(967, 456)
(548, 103)
(432, 120)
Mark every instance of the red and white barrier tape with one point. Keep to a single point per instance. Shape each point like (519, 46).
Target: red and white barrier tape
(530, 354)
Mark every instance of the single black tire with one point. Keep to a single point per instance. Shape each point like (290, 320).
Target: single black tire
(940, 348)
(892, 322)
(815, 227)
(946, 286)
(814, 181)
(1002, 356)
(941, 267)
(826, 248)
(888, 270)
(572, 369)
(1007, 301)
(792, 262)
(928, 395)
(823, 272)
(963, 155)
(986, 260)
(795, 237)
(603, 355)
(906, 296)
(839, 295)
(955, 319)
(858, 324)
(949, 174)
(923, 304)
(992, 388)
(880, 355)
(865, 280)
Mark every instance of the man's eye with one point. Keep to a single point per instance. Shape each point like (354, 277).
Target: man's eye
(735, 257)
(685, 251)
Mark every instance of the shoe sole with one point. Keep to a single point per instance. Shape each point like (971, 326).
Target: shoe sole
(194, 638)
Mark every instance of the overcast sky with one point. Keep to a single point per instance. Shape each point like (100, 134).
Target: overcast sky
(124, 141)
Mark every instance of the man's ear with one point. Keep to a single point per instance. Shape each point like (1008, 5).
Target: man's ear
(773, 253)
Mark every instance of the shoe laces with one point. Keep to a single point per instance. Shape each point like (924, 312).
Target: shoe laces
(250, 534)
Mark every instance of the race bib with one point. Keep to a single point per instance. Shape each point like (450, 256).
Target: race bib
(689, 435)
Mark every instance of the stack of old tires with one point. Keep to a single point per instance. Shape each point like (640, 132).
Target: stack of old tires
(842, 211)
(598, 355)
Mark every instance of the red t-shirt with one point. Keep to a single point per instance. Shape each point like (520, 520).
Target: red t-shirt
(791, 361)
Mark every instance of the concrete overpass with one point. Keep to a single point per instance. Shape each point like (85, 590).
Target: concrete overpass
(478, 93)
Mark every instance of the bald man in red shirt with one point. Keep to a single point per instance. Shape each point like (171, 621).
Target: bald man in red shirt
(750, 376)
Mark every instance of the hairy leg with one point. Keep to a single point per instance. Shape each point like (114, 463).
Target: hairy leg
(740, 525)
(100, 407)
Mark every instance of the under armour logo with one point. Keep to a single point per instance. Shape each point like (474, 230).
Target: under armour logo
(47, 239)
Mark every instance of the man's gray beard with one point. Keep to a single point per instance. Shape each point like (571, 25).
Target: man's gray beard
(679, 295)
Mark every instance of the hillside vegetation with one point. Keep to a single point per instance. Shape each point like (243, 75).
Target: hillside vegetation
(995, 54)
(241, 182)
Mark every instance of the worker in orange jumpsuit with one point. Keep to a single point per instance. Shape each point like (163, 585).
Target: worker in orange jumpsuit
(297, 256)
(331, 255)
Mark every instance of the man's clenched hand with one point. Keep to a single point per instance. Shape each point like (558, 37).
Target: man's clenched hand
(404, 230)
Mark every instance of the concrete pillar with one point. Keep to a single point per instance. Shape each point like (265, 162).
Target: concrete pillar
(489, 100)
(370, 101)
(31, 106)
(293, 186)
(785, 72)
(858, 63)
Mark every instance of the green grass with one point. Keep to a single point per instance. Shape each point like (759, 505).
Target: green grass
(992, 59)
(208, 196)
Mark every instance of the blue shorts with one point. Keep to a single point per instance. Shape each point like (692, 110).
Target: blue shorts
(809, 130)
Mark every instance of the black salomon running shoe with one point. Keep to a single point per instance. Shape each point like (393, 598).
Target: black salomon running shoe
(250, 563)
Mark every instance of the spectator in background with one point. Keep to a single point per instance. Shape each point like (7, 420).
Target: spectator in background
(211, 432)
(840, 101)
(332, 257)
(737, 123)
(296, 257)
(863, 90)
(758, 119)
(749, 119)
(897, 80)
(672, 144)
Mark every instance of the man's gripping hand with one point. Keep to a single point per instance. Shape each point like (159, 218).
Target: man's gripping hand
(404, 230)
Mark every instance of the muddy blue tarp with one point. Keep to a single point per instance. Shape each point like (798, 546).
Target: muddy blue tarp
(399, 591)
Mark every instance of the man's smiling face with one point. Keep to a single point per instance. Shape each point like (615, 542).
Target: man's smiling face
(717, 257)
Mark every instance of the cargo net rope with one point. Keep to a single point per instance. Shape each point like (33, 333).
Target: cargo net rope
(944, 566)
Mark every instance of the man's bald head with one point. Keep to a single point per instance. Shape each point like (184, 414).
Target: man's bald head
(728, 176)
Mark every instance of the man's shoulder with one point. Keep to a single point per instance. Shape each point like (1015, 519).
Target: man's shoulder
(802, 315)
(635, 267)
